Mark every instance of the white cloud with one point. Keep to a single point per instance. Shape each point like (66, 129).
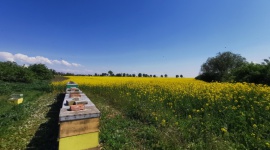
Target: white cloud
(76, 71)
(6, 56)
(56, 61)
(75, 64)
(65, 63)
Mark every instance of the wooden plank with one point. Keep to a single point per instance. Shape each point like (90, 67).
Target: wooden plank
(77, 127)
(79, 142)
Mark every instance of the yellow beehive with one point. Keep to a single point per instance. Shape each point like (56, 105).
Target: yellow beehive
(16, 99)
(79, 142)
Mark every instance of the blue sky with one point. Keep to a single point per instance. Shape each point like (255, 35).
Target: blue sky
(143, 36)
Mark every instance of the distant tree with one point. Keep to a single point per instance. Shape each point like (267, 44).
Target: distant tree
(41, 72)
(139, 75)
(118, 74)
(104, 74)
(145, 75)
(154, 76)
(161, 76)
(69, 74)
(96, 74)
(110, 73)
(150, 75)
(219, 68)
(177, 76)
(133, 75)
(181, 76)
(166, 75)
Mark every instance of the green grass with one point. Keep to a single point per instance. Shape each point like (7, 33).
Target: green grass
(32, 124)
(118, 131)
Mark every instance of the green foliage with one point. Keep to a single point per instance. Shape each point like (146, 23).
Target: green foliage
(110, 73)
(253, 73)
(231, 67)
(41, 72)
(11, 87)
(219, 68)
(12, 72)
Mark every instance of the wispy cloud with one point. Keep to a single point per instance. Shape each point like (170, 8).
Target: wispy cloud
(6, 56)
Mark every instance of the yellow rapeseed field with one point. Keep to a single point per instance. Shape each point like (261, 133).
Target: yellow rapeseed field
(236, 111)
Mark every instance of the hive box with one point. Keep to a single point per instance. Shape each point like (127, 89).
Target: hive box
(72, 85)
(79, 142)
(88, 112)
(79, 129)
(73, 90)
(16, 98)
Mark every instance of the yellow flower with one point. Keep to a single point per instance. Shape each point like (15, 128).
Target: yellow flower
(163, 122)
(224, 130)
(267, 144)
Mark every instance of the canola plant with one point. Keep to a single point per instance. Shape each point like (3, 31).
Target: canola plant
(237, 112)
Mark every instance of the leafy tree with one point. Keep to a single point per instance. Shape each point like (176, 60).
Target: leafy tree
(219, 68)
(161, 76)
(41, 72)
(166, 75)
(118, 74)
(253, 73)
(181, 76)
(12, 72)
(140, 75)
(145, 75)
(104, 74)
(177, 76)
(110, 73)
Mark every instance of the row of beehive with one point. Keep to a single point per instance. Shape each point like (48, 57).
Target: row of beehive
(79, 121)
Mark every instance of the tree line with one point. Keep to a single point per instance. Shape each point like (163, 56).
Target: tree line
(230, 67)
(12, 72)
(110, 73)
